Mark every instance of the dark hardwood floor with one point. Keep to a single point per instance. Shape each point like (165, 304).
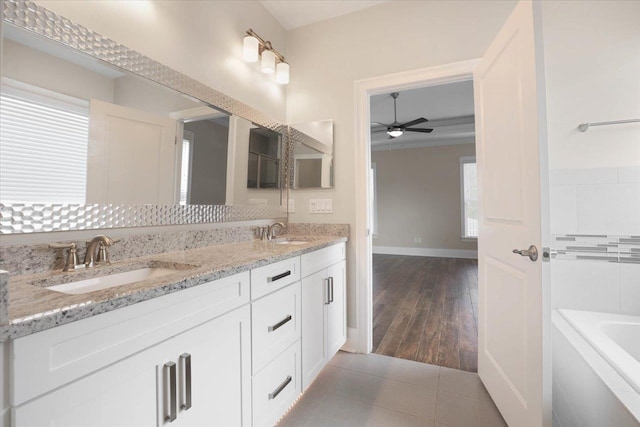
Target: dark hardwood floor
(426, 309)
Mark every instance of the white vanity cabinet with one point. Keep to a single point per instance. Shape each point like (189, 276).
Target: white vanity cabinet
(324, 321)
(115, 369)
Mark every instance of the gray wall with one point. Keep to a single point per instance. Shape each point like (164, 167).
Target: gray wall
(418, 193)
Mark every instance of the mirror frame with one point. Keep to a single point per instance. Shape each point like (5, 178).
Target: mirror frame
(18, 218)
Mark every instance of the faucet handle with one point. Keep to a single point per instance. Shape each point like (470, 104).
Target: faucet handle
(103, 255)
(72, 257)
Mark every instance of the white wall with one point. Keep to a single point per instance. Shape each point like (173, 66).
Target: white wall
(203, 40)
(418, 195)
(328, 57)
(36, 68)
(592, 55)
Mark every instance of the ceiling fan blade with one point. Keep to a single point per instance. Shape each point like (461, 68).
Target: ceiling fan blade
(379, 124)
(414, 122)
(419, 130)
(392, 137)
(378, 131)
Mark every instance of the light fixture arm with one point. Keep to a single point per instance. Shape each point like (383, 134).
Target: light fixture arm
(265, 45)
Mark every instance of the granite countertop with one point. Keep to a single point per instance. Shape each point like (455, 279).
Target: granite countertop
(33, 308)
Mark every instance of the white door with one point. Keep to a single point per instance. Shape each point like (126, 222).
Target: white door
(336, 309)
(131, 157)
(513, 360)
(314, 300)
(122, 394)
(213, 375)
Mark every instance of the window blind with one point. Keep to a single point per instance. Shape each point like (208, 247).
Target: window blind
(43, 150)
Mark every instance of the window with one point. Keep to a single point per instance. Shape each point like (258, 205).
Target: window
(469, 192)
(43, 146)
(187, 147)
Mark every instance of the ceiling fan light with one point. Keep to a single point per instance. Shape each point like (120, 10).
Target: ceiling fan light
(395, 132)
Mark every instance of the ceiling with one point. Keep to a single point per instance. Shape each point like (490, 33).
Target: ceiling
(449, 109)
(295, 13)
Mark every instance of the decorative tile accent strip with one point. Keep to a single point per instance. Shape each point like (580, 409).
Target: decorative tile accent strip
(596, 247)
(30, 218)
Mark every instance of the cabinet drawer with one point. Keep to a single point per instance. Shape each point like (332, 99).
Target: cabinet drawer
(276, 387)
(272, 277)
(49, 359)
(322, 258)
(275, 324)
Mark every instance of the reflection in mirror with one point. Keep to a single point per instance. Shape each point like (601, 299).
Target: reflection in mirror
(77, 130)
(313, 155)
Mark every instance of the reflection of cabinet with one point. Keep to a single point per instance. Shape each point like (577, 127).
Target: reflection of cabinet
(323, 309)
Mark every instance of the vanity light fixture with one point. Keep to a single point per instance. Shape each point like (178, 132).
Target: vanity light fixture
(255, 47)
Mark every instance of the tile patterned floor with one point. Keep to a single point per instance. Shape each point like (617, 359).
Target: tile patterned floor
(381, 391)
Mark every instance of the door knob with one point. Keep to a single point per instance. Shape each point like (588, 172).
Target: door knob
(532, 252)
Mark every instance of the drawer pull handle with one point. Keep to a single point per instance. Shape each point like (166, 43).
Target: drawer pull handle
(327, 299)
(279, 276)
(170, 394)
(330, 289)
(281, 387)
(185, 358)
(280, 323)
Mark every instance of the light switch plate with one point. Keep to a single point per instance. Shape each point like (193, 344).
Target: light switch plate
(321, 206)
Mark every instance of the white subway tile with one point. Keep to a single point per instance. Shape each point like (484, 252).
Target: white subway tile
(583, 176)
(585, 285)
(629, 174)
(564, 209)
(609, 209)
(630, 288)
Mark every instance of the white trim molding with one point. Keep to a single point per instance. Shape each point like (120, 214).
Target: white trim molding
(428, 252)
(363, 90)
(352, 341)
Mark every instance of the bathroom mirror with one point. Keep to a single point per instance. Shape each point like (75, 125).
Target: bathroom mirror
(115, 131)
(312, 155)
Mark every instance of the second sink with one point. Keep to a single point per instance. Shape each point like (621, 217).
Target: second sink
(111, 280)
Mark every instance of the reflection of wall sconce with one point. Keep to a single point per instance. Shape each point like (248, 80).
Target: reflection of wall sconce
(271, 61)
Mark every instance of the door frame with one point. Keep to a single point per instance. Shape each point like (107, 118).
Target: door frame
(362, 337)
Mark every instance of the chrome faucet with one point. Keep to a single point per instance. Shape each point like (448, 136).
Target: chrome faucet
(98, 251)
(271, 230)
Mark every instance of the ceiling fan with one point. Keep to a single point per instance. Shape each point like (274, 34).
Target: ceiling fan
(396, 129)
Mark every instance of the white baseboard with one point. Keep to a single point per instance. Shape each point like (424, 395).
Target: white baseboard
(352, 338)
(438, 253)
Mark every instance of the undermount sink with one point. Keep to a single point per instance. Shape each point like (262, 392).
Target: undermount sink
(292, 242)
(111, 280)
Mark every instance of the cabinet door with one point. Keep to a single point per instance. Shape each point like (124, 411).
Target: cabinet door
(314, 298)
(336, 317)
(218, 353)
(123, 394)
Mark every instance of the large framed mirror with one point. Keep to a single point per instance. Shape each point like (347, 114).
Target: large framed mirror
(312, 155)
(95, 135)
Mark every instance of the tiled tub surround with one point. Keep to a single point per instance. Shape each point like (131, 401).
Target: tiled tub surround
(602, 201)
(33, 308)
(596, 273)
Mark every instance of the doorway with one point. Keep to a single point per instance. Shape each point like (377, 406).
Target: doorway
(424, 216)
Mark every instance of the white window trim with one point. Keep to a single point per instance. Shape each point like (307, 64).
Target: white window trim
(463, 161)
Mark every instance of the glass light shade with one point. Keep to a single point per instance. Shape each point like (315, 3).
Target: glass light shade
(282, 73)
(268, 64)
(394, 133)
(250, 48)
